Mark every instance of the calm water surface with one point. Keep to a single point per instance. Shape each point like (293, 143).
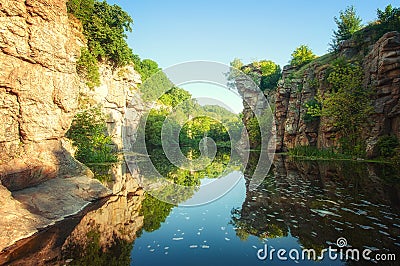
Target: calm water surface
(300, 205)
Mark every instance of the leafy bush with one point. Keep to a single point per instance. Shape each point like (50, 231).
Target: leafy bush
(88, 69)
(387, 146)
(314, 152)
(302, 55)
(146, 67)
(104, 27)
(348, 104)
(88, 133)
(313, 111)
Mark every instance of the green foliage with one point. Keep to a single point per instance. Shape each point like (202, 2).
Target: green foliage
(388, 20)
(91, 253)
(387, 146)
(259, 128)
(155, 87)
(105, 32)
(265, 74)
(315, 153)
(174, 96)
(208, 121)
(313, 110)
(88, 69)
(302, 55)
(88, 133)
(81, 9)
(104, 27)
(347, 23)
(236, 63)
(146, 67)
(348, 104)
(155, 212)
(389, 16)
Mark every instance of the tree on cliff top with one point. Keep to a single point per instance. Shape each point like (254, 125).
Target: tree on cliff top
(302, 55)
(348, 23)
(104, 26)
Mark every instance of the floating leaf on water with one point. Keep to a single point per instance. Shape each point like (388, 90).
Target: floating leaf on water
(384, 233)
(381, 225)
(177, 238)
(227, 239)
(151, 250)
(323, 213)
(193, 246)
(205, 246)
(371, 248)
(366, 227)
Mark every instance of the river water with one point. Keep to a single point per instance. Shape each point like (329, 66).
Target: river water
(300, 205)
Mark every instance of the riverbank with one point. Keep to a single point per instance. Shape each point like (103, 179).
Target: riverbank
(26, 212)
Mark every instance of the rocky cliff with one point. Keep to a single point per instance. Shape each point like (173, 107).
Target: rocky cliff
(381, 64)
(38, 88)
(40, 92)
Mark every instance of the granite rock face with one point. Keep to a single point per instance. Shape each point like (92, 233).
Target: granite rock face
(39, 47)
(119, 98)
(40, 92)
(382, 73)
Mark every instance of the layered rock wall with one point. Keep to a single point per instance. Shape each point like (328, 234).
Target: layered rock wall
(39, 47)
(40, 92)
(119, 98)
(382, 74)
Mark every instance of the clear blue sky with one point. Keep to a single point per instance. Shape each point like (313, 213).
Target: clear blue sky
(173, 31)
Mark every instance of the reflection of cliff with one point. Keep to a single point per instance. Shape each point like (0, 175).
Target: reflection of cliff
(320, 201)
(108, 233)
(105, 234)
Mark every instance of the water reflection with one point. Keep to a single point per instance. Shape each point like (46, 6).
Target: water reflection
(300, 204)
(318, 202)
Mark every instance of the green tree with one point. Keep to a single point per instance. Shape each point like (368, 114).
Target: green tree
(105, 32)
(82, 9)
(385, 16)
(389, 19)
(302, 55)
(265, 73)
(236, 63)
(147, 68)
(347, 24)
(175, 96)
(88, 133)
(348, 104)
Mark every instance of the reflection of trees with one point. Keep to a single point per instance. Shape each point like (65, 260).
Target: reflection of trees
(321, 201)
(156, 211)
(118, 253)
